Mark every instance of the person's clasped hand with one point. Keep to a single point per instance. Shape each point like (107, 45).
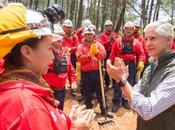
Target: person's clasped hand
(93, 50)
(81, 118)
(140, 66)
(111, 38)
(118, 70)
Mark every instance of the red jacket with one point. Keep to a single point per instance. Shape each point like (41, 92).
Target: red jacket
(104, 39)
(71, 42)
(79, 33)
(58, 81)
(90, 63)
(137, 49)
(24, 106)
(142, 41)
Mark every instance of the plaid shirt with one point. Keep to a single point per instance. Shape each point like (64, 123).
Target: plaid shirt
(162, 98)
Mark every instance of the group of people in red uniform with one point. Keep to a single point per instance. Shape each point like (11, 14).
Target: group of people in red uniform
(91, 49)
(35, 75)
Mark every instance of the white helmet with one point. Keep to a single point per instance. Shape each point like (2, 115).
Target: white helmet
(108, 22)
(137, 24)
(92, 27)
(88, 30)
(67, 23)
(129, 24)
(86, 23)
(38, 23)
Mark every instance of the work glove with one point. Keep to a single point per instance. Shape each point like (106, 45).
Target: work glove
(140, 66)
(94, 49)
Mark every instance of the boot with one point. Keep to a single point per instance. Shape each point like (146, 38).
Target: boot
(108, 114)
(115, 108)
(126, 105)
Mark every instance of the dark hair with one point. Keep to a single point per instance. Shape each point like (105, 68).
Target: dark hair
(14, 58)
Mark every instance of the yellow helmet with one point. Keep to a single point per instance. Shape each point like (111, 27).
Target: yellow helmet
(18, 24)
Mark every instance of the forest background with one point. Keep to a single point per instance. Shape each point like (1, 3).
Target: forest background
(118, 11)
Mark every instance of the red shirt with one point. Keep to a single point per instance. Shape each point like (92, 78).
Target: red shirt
(58, 81)
(71, 42)
(137, 50)
(90, 63)
(104, 39)
(24, 106)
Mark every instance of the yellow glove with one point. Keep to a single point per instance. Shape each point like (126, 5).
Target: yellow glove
(94, 49)
(140, 66)
(90, 53)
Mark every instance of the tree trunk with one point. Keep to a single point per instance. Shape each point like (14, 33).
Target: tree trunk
(114, 10)
(94, 12)
(36, 4)
(76, 12)
(62, 3)
(30, 4)
(103, 14)
(90, 13)
(67, 10)
(143, 13)
(56, 1)
(97, 21)
(121, 17)
(158, 9)
(80, 13)
(150, 11)
(172, 11)
(156, 13)
(72, 11)
(48, 3)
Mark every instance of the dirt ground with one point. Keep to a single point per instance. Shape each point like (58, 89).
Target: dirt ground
(123, 119)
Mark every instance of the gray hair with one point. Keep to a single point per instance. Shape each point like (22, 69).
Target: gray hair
(163, 28)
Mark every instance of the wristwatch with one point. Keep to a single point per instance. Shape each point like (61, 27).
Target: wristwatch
(122, 83)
